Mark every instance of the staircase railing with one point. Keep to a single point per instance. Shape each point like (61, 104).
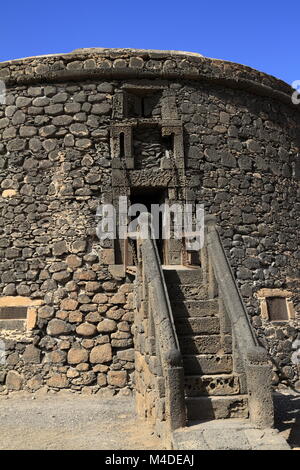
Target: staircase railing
(159, 313)
(254, 359)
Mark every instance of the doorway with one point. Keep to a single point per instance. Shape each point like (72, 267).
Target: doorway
(148, 197)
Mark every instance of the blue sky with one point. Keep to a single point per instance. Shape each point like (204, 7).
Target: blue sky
(262, 34)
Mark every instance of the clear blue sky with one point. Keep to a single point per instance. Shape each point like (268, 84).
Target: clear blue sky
(262, 34)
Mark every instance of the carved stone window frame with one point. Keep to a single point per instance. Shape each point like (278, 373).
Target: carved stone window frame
(126, 128)
(124, 173)
(23, 324)
(116, 130)
(265, 293)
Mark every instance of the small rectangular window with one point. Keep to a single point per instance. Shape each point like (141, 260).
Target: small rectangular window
(142, 103)
(277, 308)
(13, 313)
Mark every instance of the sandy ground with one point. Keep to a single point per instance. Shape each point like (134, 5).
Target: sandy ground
(70, 422)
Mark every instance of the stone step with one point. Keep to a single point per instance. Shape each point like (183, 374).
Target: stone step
(207, 364)
(229, 434)
(187, 292)
(205, 344)
(218, 407)
(183, 276)
(225, 384)
(195, 308)
(197, 326)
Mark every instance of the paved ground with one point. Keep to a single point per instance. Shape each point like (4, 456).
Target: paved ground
(228, 434)
(68, 422)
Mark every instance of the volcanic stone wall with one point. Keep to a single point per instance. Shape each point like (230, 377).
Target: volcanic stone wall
(241, 148)
(247, 149)
(54, 166)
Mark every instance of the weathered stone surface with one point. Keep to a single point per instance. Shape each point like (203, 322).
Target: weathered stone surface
(118, 299)
(14, 380)
(61, 276)
(93, 317)
(75, 316)
(101, 354)
(58, 381)
(64, 344)
(73, 261)
(88, 307)
(57, 327)
(117, 378)
(78, 246)
(102, 339)
(77, 355)
(107, 325)
(69, 304)
(123, 326)
(87, 343)
(100, 298)
(126, 355)
(72, 373)
(115, 313)
(121, 343)
(86, 329)
(84, 275)
(59, 248)
(12, 359)
(109, 286)
(101, 380)
(10, 289)
(62, 314)
(86, 378)
(35, 383)
(56, 357)
(126, 288)
(71, 286)
(84, 366)
(92, 286)
(31, 354)
(46, 311)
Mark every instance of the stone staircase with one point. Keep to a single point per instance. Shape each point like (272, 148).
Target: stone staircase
(197, 358)
(212, 388)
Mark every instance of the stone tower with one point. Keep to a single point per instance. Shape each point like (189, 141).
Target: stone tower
(81, 129)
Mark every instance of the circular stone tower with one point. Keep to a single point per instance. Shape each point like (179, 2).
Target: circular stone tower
(81, 129)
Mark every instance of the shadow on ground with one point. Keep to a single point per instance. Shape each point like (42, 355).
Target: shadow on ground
(287, 417)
